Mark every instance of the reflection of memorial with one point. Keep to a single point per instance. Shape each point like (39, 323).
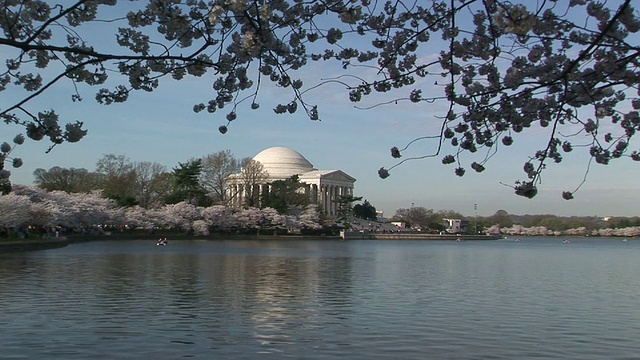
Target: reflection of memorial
(280, 163)
(282, 291)
(228, 298)
(289, 291)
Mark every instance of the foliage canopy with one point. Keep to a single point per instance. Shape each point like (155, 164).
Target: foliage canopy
(285, 195)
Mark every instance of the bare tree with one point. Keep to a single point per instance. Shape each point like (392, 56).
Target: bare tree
(71, 180)
(150, 186)
(252, 176)
(244, 161)
(417, 217)
(216, 170)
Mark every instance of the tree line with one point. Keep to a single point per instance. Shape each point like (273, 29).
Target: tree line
(193, 197)
(424, 219)
(30, 209)
(503, 219)
(202, 181)
(147, 184)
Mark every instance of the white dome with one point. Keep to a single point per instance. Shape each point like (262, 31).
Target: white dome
(281, 162)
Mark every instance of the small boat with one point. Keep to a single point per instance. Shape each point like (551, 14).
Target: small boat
(162, 242)
(566, 241)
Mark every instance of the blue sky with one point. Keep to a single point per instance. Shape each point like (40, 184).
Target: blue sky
(161, 127)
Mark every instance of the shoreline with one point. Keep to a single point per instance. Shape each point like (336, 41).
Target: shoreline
(342, 236)
(414, 236)
(63, 241)
(33, 245)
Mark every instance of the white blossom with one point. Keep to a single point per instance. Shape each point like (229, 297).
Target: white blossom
(214, 15)
(200, 227)
(504, 68)
(515, 19)
(14, 210)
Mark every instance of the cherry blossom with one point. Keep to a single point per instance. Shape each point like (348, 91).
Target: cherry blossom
(250, 218)
(181, 215)
(15, 210)
(57, 208)
(139, 217)
(29, 206)
(274, 220)
(309, 218)
(499, 70)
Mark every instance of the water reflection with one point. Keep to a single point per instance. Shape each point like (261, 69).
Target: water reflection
(269, 298)
(320, 300)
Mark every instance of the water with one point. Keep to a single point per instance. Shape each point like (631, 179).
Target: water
(535, 299)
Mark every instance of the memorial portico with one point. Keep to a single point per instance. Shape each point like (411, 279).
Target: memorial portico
(322, 186)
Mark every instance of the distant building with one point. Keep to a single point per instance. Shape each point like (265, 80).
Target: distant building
(399, 224)
(452, 226)
(322, 186)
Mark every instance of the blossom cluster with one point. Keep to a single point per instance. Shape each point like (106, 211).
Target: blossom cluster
(31, 206)
(513, 69)
(5, 151)
(568, 69)
(519, 230)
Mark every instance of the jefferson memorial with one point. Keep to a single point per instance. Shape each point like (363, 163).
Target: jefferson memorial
(280, 163)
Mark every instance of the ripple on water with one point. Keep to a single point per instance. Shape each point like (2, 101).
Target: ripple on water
(322, 300)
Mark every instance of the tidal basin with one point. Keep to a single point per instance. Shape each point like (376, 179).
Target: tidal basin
(538, 298)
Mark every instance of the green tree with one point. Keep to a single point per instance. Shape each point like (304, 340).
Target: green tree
(533, 220)
(285, 195)
(553, 223)
(344, 204)
(479, 224)
(365, 211)
(501, 218)
(575, 222)
(187, 186)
